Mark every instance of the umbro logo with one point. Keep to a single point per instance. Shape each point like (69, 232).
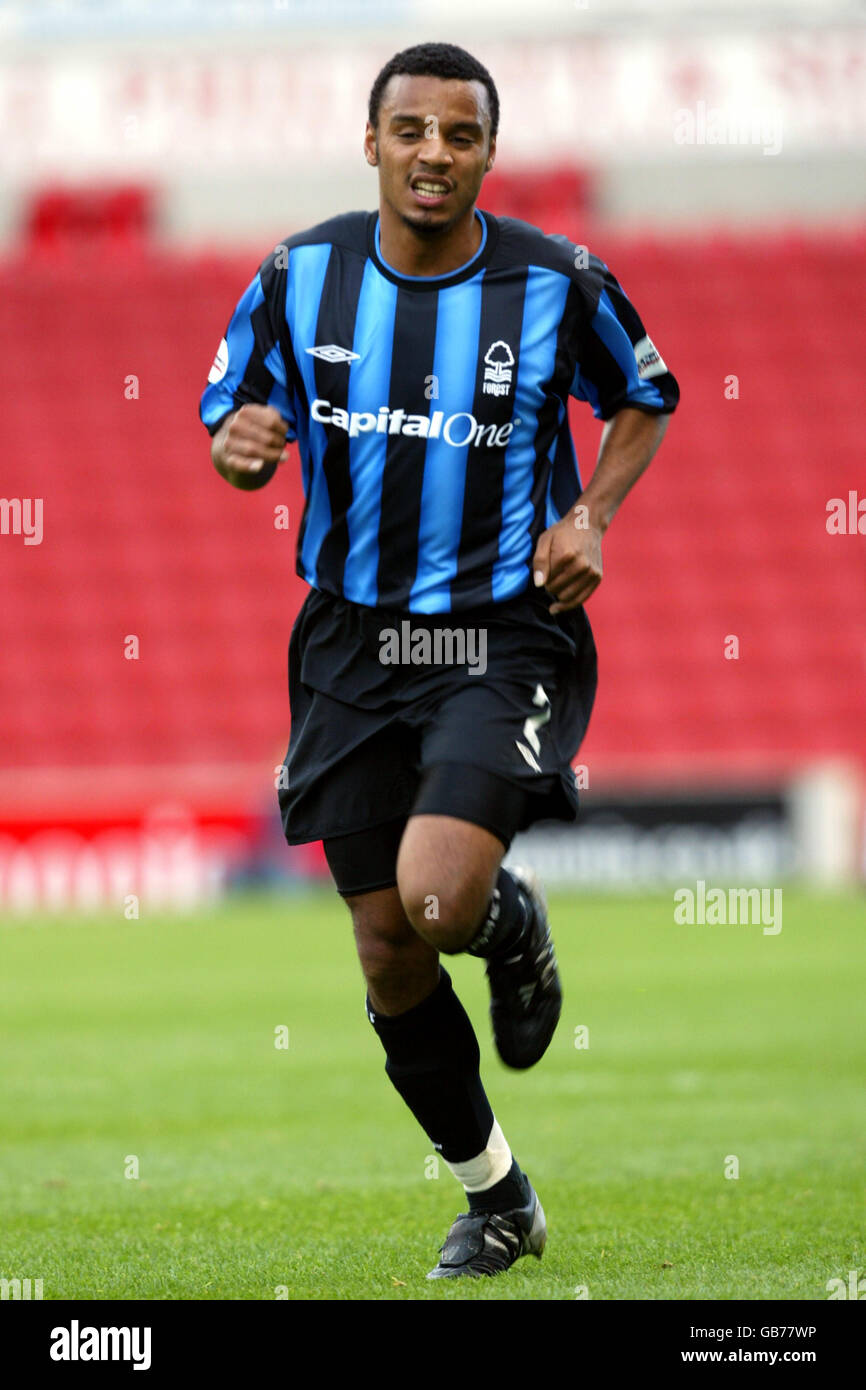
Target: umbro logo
(330, 352)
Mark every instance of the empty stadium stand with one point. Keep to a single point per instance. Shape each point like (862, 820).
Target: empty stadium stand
(105, 357)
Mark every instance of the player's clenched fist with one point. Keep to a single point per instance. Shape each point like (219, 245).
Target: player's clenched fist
(249, 445)
(567, 561)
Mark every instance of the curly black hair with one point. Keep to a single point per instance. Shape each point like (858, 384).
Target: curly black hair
(443, 60)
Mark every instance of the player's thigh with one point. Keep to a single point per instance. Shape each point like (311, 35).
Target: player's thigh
(446, 873)
(462, 823)
(477, 789)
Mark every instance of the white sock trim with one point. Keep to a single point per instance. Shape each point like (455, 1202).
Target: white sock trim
(487, 1168)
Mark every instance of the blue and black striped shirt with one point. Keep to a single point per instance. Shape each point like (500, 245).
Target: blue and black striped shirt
(430, 412)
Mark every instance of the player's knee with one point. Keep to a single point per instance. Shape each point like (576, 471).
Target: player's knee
(445, 914)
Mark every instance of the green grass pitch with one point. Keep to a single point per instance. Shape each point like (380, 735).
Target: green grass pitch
(297, 1172)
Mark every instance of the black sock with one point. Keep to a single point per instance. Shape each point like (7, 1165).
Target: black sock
(510, 1192)
(432, 1060)
(508, 916)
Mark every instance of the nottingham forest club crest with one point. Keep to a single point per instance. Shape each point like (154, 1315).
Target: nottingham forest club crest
(499, 360)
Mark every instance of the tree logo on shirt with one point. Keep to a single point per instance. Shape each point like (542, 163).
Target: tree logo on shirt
(497, 373)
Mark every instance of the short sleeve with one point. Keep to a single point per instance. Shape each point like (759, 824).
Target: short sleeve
(617, 363)
(249, 368)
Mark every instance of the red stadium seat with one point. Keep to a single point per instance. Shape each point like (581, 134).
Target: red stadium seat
(725, 536)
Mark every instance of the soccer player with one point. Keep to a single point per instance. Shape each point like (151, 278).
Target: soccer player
(442, 668)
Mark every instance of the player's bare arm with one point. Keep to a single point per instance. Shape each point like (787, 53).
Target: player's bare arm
(249, 445)
(567, 559)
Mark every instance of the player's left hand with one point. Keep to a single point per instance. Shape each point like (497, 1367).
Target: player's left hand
(567, 562)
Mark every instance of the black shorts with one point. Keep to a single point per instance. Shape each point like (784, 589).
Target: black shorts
(476, 714)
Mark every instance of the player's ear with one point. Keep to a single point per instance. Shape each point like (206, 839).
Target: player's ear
(491, 155)
(371, 145)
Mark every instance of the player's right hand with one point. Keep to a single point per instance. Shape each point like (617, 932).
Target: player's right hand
(251, 438)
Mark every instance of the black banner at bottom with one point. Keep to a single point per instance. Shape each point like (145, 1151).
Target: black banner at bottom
(159, 1338)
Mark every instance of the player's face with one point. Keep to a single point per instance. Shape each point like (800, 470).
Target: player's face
(432, 149)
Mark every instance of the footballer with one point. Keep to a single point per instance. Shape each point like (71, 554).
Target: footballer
(421, 357)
